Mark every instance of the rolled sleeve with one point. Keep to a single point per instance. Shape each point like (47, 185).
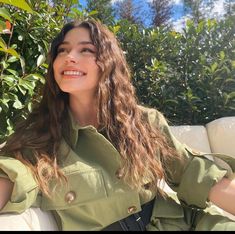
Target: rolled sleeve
(198, 178)
(25, 188)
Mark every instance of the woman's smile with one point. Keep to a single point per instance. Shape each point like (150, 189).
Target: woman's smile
(73, 74)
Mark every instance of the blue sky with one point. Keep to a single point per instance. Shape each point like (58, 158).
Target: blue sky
(177, 12)
(178, 17)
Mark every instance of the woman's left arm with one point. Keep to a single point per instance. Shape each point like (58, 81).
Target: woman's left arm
(222, 194)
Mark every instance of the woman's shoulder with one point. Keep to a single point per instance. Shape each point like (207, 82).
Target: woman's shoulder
(153, 115)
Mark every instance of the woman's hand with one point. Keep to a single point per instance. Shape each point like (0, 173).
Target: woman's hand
(6, 187)
(222, 194)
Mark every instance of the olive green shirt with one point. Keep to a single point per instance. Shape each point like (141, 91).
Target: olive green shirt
(95, 196)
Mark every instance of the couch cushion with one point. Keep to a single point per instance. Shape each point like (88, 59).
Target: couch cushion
(221, 135)
(195, 136)
(33, 219)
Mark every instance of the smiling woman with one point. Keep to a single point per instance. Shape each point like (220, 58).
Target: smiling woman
(96, 158)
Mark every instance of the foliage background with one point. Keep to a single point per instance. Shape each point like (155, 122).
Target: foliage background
(188, 75)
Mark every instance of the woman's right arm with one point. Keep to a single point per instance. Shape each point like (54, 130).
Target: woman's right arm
(6, 187)
(18, 187)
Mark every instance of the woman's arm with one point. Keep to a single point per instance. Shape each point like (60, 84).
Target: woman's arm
(195, 178)
(6, 187)
(222, 194)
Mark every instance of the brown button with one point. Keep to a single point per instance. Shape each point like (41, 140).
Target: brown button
(147, 186)
(131, 209)
(70, 197)
(118, 174)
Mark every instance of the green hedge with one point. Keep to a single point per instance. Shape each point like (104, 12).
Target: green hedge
(189, 76)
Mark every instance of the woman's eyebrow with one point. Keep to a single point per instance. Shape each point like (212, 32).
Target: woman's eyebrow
(85, 42)
(79, 43)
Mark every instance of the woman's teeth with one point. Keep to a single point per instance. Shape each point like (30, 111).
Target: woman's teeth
(73, 73)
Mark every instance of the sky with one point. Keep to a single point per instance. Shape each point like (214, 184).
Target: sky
(178, 17)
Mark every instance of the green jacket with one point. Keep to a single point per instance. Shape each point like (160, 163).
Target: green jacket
(94, 197)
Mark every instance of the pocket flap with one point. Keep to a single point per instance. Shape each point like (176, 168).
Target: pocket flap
(167, 208)
(82, 187)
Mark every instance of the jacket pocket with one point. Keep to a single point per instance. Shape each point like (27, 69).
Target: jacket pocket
(168, 215)
(82, 187)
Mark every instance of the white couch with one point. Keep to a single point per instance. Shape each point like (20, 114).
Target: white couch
(217, 136)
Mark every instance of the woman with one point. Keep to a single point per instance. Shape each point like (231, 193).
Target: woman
(95, 156)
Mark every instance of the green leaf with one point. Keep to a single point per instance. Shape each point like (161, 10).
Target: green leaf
(17, 104)
(9, 125)
(13, 72)
(4, 103)
(2, 26)
(37, 76)
(116, 28)
(4, 64)
(231, 95)
(27, 84)
(222, 55)
(9, 78)
(5, 14)
(41, 59)
(23, 91)
(217, 79)
(30, 106)
(170, 101)
(10, 51)
(3, 43)
(12, 59)
(229, 80)
(13, 52)
(22, 4)
(22, 64)
(214, 66)
(233, 63)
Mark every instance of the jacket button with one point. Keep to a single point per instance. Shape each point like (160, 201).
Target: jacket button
(70, 197)
(131, 209)
(118, 174)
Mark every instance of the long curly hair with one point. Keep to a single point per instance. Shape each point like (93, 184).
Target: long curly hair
(144, 150)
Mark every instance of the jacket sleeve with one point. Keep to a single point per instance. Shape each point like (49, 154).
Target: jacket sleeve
(25, 188)
(192, 174)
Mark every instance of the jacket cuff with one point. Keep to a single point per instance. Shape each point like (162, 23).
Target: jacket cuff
(199, 177)
(25, 188)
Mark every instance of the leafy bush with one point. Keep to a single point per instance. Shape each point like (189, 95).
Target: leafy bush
(189, 76)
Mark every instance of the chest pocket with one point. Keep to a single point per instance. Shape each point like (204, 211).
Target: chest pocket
(82, 187)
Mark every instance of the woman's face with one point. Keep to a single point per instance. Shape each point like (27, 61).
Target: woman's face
(75, 69)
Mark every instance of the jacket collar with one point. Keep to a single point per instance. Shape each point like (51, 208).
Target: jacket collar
(75, 128)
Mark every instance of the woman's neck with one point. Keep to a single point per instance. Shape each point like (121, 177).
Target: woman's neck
(84, 110)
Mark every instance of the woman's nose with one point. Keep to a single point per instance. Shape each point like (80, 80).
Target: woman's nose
(71, 58)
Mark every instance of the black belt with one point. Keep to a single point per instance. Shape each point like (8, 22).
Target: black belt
(134, 222)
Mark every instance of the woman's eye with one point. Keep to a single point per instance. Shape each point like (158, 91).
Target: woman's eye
(87, 50)
(61, 50)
